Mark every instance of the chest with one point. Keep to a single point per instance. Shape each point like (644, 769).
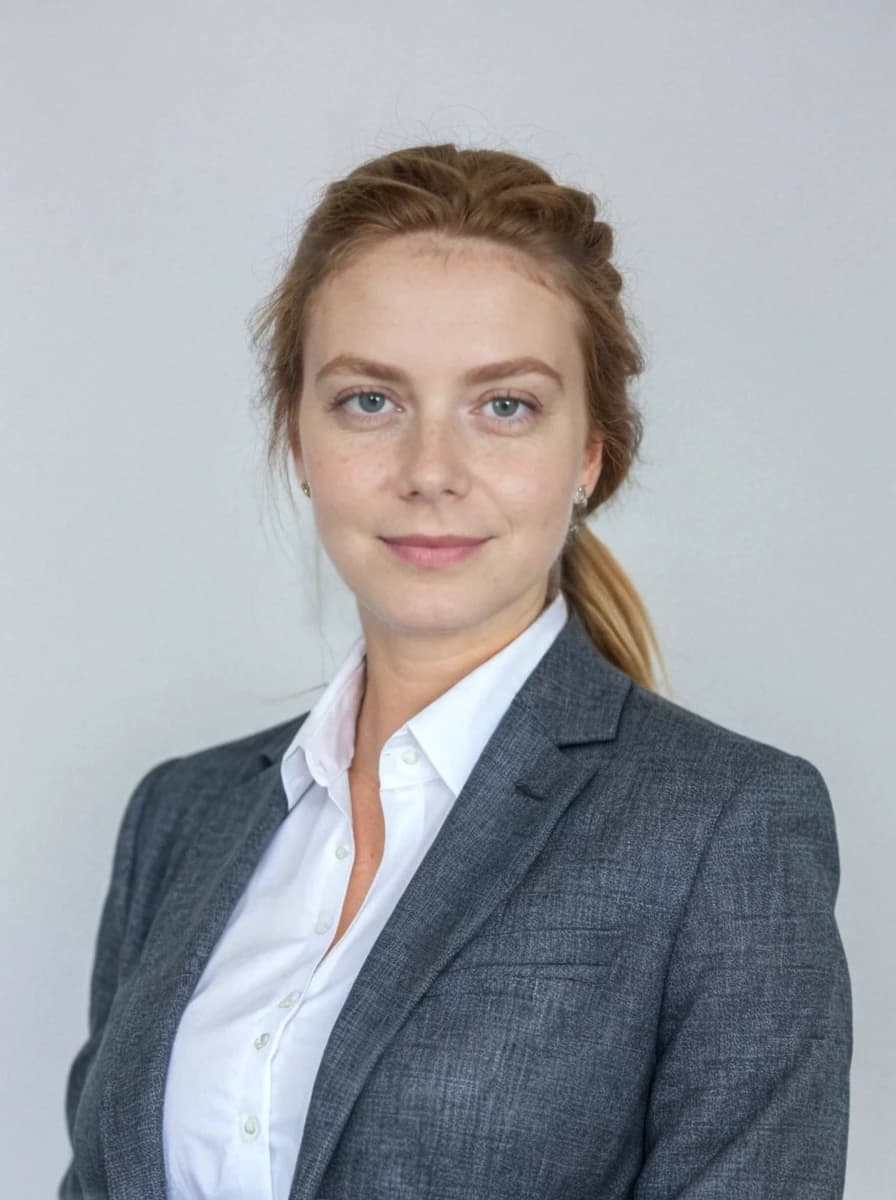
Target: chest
(368, 830)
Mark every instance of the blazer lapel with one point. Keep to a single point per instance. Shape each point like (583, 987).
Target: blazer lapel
(521, 785)
(236, 828)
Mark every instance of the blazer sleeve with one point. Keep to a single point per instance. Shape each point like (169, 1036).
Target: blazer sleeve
(104, 973)
(750, 1092)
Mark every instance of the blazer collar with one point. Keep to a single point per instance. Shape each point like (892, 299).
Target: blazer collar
(451, 730)
(518, 790)
(573, 692)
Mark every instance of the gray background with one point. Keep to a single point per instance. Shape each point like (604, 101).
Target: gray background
(158, 161)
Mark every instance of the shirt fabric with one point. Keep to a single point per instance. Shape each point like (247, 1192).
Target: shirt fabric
(249, 1044)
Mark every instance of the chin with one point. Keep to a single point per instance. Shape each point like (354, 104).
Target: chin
(423, 609)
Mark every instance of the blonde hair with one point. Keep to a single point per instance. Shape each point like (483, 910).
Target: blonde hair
(511, 200)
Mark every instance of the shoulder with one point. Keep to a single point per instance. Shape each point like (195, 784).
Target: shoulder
(233, 759)
(698, 769)
(668, 732)
(699, 799)
(171, 798)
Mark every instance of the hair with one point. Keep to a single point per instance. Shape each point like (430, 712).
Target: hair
(511, 200)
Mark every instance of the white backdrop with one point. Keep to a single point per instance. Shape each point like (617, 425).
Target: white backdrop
(158, 160)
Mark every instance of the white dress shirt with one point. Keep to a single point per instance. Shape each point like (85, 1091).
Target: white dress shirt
(249, 1044)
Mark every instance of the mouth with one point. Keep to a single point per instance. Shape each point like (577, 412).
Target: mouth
(434, 552)
(440, 541)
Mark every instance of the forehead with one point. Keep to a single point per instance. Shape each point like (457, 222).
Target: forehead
(420, 291)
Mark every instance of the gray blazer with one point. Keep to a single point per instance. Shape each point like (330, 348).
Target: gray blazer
(616, 973)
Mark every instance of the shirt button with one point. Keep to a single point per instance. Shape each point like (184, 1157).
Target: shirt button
(342, 851)
(251, 1126)
(322, 925)
(290, 1000)
(262, 1041)
(410, 755)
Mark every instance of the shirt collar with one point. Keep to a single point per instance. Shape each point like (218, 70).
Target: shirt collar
(451, 731)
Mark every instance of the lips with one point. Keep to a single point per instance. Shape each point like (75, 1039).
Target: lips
(429, 556)
(441, 542)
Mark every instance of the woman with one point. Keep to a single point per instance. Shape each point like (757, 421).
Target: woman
(494, 919)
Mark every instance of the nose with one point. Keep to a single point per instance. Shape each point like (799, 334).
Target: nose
(433, 457)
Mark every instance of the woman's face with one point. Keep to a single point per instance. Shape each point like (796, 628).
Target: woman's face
(417, 445)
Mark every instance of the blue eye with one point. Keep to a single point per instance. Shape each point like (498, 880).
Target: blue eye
(512, 400)
(355, 395)
(365, 393)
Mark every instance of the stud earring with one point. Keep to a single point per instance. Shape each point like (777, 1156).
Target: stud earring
(305, 488)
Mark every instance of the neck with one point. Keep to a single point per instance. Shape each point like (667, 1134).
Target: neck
(403, 675)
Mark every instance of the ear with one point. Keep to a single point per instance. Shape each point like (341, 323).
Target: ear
(295, 451)
(592, 462)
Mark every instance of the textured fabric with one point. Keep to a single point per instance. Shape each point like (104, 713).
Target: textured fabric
(615, 975)
(256, 1026)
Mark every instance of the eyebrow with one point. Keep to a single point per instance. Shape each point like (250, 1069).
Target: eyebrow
(351, 364)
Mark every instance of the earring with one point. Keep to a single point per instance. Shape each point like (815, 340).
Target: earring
(579, 505)
(305, 488)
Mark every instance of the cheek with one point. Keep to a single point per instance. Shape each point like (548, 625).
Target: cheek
(533, 500)
(347, 502)
(344, 477)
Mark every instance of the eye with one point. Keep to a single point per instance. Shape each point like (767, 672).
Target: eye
(514, 420)
(364, 394)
